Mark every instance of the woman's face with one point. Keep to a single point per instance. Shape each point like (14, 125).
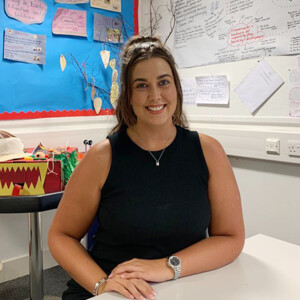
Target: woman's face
(154, 94)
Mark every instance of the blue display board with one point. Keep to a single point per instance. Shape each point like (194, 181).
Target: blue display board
(32, 91)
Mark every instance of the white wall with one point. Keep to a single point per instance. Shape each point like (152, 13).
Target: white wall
(269, 184)
(269, 188)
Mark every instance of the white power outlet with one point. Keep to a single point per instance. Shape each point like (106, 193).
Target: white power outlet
(273, 146)
(294, 148)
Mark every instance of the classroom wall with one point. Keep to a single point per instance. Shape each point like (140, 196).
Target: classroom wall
(269, 188)
(269, 184)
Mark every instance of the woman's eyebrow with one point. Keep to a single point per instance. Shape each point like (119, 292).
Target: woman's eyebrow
(158, 77)
(139, 79)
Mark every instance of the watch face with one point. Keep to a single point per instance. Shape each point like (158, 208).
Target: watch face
(174, 261)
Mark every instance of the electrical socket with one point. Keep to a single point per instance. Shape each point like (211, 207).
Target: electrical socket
(293, 148)
(273, 146)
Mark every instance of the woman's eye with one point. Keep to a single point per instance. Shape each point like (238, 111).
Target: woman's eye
(141, 85)
(164, 82)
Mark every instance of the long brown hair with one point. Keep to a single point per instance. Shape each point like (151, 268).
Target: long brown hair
(136, 49)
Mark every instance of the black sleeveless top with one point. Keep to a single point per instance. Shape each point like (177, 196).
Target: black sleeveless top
(148, 211)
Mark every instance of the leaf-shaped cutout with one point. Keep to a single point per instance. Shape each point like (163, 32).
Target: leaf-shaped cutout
(105, 57)
(114, 93)
(112, 64)
(97, 104)
(114, 75)
(63, 62)
(93, 92)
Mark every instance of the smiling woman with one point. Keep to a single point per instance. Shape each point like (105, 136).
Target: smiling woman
(165, 197)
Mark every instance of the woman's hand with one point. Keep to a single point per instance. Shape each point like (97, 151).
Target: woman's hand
(156, 270)
(129, 288)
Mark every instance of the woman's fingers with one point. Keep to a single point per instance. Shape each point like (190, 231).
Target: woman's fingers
(123, 268)
(144, 288)
(131, 289)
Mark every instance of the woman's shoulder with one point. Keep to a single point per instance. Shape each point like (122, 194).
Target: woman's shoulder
(212, 148)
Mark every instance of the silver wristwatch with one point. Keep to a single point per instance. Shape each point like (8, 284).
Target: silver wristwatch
(175, 263)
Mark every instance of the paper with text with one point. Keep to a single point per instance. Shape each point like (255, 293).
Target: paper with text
(69, 22)
(189, 90)
(114, 5)
(212, 89)
(258, 86)
(214, 31)
(24, 47)
(26, 11)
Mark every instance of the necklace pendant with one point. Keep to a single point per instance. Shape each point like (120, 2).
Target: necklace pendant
(157, 163)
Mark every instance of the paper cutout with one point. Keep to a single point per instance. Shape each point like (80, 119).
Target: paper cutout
(258, 86)
(114, 5)
(107, 29)
(105, 57)
(63, 62)
(93, 92)
(69, 22)
(112, 64)
(97, 104)
(114, 94)
(24, 47)
(72, 1)
(114, 76)
(26, 11)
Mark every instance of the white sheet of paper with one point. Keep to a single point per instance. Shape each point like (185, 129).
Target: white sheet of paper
(212, 89)
(189, 90)
(258, 86)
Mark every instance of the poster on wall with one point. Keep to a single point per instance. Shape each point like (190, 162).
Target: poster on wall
(26, 11)
(213, 31)
(59, 75)
(25, 47)
(114, 5)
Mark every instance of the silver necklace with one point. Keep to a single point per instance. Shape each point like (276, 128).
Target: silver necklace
(162, 152)
(157, 159)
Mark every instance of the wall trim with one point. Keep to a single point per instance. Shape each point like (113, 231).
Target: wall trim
(19, 266)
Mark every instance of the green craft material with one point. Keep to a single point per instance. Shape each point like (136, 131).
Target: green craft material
(69, 162)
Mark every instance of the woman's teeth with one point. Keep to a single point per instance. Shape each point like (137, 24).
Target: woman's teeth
(155, 108)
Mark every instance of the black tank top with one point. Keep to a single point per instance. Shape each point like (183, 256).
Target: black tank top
(148, 211)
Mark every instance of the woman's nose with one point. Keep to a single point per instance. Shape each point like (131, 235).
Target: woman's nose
(154, 93)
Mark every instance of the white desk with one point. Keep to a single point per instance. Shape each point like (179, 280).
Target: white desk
(267, 269)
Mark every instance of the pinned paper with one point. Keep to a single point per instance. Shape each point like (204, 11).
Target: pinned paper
(189, 90)
(114, 93)
(112, 64)
(63, 62)
(69, 22)
(212, 90)
(105, 57)
(27, 12)
(24, 47)
(295, 77)
(114, 75)
(97, 105)
(259, 85)
(114, 5)
(107, 29)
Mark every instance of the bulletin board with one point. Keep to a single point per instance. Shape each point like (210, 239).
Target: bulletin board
(43, 90)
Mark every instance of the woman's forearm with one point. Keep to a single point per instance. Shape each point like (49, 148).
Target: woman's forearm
(208, 254)
(74, 258)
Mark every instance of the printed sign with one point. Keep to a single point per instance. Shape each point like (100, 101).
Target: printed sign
(25, 47)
